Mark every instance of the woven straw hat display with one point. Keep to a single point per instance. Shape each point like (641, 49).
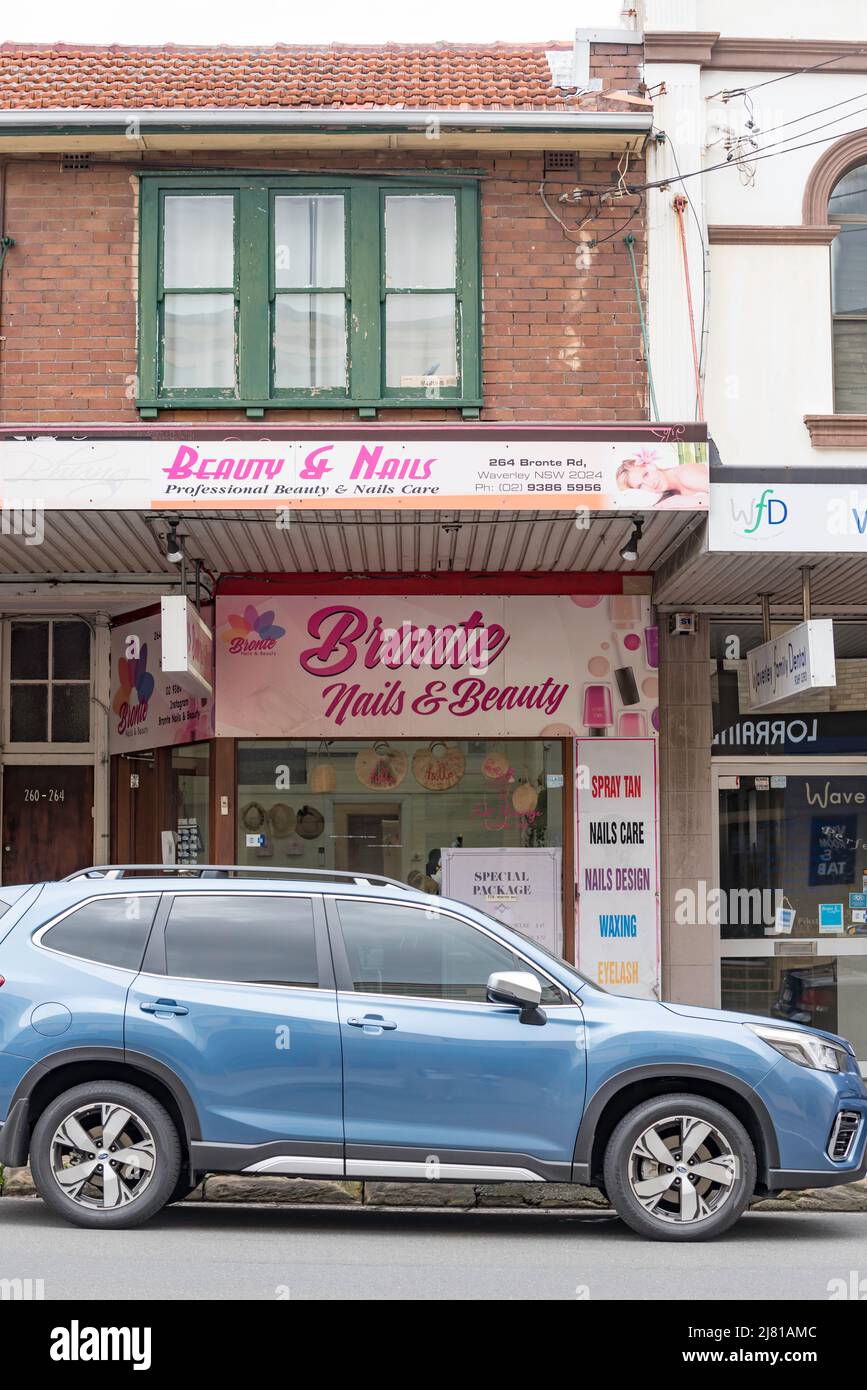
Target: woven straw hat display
(282, 819)
(439, 767)
(381, 768)
(253, 816)
(309, 823)
(525, 797)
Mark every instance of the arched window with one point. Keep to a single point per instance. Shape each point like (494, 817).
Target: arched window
(847, 208)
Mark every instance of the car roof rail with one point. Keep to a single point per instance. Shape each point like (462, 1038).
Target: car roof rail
(118, 871)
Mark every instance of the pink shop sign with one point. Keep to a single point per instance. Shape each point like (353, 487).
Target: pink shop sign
(150, 708)
(474, 666)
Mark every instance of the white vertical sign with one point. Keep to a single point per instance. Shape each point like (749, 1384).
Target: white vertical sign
(618, 865)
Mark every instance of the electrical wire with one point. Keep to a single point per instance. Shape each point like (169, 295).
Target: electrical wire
(797, 72)
(577, 241)
(704, 263)
(796, 120)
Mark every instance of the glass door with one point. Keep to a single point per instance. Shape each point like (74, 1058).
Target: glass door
(792, 841)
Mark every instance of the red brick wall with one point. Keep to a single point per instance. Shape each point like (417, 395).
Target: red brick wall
(561, 341)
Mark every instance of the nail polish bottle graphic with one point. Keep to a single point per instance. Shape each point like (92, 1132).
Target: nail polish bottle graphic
(651, 647)
(624, 610)
(598, 711)
(632, 723)
(628, 648)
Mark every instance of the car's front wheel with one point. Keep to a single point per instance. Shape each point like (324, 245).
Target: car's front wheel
(680, 1167)
(105, 1155)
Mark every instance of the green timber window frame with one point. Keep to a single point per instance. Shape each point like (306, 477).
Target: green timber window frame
(256, 294)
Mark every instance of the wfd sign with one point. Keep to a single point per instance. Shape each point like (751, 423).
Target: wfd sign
(801, 659)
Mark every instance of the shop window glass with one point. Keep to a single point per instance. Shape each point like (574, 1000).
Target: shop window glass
(49, 694)
(391, 807)
(28, 715)
(29, 651)
(799, 845)
(189, 791)
(410, 952)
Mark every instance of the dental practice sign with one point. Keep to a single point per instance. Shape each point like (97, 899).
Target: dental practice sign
(798, 660)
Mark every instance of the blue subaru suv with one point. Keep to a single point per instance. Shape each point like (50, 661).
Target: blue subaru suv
(156, 1025)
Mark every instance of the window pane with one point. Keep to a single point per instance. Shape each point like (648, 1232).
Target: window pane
(849, 270)
(71, 651)
(420, 339)
(70, 713)
(199, 345)
(850, 366)
(255, 940)
(29, 714)
(411, 951)
(111, 930)
(850, 194)
(29, 651)
(420, 242)
(310, 340)
(309, 242)
(198, 245)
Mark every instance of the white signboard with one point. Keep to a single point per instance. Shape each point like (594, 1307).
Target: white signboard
(520, 887)
(605, 473)
(789, 517)
(617, 865)
(798, 660)
(187, 645)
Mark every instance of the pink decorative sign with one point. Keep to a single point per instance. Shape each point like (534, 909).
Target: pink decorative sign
(150, 708)
(469, 666)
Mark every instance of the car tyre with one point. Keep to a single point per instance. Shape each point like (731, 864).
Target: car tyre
(105, 1155)
(705, 1186)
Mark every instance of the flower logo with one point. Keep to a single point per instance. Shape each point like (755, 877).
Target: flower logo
(251, 625)
(135, 682)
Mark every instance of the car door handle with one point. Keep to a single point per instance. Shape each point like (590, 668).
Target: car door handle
(372, 1023)
(163, 1008)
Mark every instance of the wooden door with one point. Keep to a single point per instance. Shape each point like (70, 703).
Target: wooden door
(47, 821)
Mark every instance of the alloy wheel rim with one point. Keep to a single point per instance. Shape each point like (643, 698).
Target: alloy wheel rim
(103, 1156)
(682, 1169)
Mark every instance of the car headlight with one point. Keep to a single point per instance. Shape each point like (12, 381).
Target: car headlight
(804, 1048)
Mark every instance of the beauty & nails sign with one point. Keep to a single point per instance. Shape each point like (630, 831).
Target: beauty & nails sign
(302, 666)
(486, 474)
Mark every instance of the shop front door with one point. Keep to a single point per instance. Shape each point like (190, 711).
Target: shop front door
(47, 821)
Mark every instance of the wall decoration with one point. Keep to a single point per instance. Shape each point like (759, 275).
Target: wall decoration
(381, 768)
(439, 767)
(495, 765)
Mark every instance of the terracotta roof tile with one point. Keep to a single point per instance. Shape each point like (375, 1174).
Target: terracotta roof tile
(336, 76)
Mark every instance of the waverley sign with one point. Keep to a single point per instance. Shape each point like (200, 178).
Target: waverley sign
(798, 660)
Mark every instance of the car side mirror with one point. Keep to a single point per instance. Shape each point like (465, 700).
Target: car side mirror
(520, 988)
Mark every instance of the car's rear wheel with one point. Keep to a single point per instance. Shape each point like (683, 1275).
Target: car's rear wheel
(105, 1155)
(680, 1167)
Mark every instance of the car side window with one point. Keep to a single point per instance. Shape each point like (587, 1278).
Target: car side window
(248, 938)
(111, 930)
(425, 954)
